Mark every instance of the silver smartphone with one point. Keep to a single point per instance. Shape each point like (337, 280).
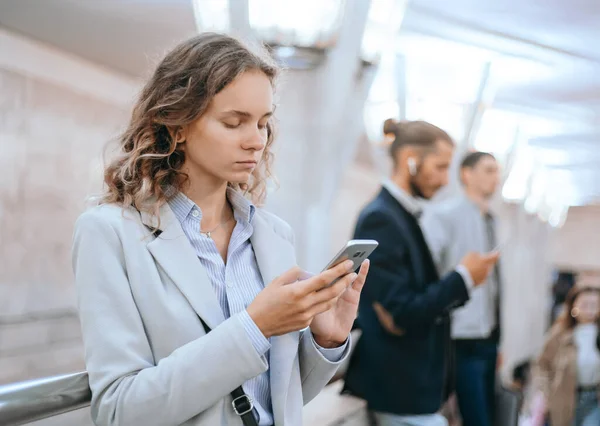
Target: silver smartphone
(355, 250)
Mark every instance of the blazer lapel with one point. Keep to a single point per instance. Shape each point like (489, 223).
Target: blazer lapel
(275, 255)
(174, 253)
(408, 236)
(415, 253)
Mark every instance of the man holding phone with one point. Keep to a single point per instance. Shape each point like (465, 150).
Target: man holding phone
(402, 364)
(453, 228)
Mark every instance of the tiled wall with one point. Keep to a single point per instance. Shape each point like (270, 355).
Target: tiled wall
(51, 141)
(576, 246)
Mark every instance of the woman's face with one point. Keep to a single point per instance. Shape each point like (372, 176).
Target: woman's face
(587, 307)
(227, 142)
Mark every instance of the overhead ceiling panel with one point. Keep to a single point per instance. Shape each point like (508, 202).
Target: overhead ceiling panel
(126, 35)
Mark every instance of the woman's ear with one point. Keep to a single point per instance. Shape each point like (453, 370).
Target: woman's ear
(178, 134)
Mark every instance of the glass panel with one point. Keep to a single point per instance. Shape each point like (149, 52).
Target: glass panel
(535, 194)
(560, 191)
(497, 133)
(558, 216)
(509, 70)
(306, 23)
(536, 126)
(500, 130)
(385, 84)
(516, 187)
(445, 51)
(212, 15)
(561, 187)
(375, 114)
(448, 116)
(382, 100)
(439, 69)
(380, 27)
(543, 177)
(442, 81)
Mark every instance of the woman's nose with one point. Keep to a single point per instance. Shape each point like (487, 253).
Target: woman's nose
(257, 140)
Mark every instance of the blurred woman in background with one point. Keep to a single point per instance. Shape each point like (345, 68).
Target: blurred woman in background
(567, 374)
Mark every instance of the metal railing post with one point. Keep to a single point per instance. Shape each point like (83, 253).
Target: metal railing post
(25, 402)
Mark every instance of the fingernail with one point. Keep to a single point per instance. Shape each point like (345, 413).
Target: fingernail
(349, 264)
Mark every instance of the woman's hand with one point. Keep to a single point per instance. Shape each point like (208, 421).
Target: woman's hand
(287, 304)
(331, 328)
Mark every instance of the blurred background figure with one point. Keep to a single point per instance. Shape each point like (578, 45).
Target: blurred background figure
(567, 374)
(560, 289)
(404, 313)
(452, 229)
(521, 376)
(521, 82)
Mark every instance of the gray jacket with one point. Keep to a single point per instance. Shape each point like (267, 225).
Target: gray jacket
(149, 359)
(452, 229)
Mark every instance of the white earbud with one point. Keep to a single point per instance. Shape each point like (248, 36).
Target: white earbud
(412, 166)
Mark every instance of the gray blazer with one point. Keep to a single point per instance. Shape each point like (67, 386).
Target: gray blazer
(452, 229)
(149, 359)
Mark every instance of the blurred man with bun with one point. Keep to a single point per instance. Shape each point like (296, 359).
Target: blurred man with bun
(402, 365)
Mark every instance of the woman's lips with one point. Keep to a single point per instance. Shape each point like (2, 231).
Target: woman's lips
(247, 164)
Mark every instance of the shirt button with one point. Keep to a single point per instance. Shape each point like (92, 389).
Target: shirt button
(195, 213)
(229, 285)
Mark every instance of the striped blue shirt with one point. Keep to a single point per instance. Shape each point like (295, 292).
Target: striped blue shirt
(236, 283)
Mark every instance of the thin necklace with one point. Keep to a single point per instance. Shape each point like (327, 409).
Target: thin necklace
(208, 233)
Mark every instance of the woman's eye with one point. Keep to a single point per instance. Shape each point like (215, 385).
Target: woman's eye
(231, 126)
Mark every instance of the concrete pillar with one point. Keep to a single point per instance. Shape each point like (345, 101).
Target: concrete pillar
(239, 18)
(318, 132)
(475, 113)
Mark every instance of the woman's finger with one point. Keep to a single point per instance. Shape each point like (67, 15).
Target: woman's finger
(335, 290)
(325, 278)
(322, 307)
(290, 276)
(362, 276)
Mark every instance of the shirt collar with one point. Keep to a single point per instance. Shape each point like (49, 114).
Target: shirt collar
(182, 206)
(409, 202)
(242, 207)
(476, 207)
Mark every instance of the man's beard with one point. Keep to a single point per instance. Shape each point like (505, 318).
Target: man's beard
(415, 189)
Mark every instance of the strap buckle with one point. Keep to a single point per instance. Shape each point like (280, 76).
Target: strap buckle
(242, 405)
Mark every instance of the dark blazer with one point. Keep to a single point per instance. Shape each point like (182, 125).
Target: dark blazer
(408, 374)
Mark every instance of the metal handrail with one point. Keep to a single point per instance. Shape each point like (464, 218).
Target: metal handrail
(26, 402)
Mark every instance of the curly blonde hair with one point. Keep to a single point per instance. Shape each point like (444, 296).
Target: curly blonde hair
(149, 161)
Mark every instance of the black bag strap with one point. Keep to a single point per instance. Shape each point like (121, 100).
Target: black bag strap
(242, 404)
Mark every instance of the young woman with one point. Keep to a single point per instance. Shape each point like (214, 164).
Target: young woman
(188, 290)
(567, 374)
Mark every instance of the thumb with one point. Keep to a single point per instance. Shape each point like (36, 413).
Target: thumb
(290, 276)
